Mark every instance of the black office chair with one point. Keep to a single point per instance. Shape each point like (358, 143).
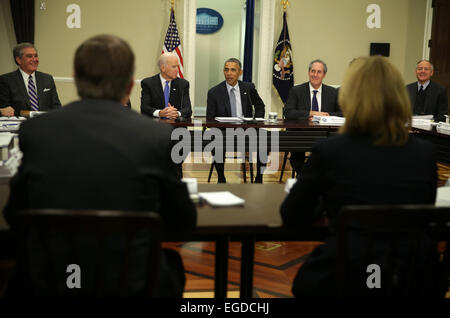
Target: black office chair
(283, 166)
(244, 169)
(117, 253)
(403, 241)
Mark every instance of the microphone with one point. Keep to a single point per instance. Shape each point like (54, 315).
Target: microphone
(252, 121)
(181, 118)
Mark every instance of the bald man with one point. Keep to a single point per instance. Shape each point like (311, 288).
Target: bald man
(166, 95)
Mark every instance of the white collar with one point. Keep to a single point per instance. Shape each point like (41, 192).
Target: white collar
(311, 89)
(26, 76)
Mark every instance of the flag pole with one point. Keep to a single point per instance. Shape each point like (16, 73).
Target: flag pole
(172, 5)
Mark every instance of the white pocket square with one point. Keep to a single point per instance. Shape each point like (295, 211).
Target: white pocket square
(46, 89)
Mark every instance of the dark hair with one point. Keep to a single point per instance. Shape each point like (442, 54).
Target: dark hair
(18, 50)
(233, 60)
(103, 66)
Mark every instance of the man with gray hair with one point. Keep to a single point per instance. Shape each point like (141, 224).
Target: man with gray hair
(310, 99)
(26, 89)
(427, 97)
(166, 95)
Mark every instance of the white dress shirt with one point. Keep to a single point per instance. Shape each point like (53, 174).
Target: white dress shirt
(163, 84)
(425, 85)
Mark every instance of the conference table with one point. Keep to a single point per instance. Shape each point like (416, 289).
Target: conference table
(254, 220)
(294, 135)
(258, 219)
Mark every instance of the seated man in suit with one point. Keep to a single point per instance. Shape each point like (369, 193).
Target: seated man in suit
(427, 97)
(310, 99)
(165, 94)
(105, 156)
(26, 88)
(233, 98)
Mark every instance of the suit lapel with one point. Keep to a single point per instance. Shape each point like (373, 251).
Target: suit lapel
(324, 105)
(39, 87)
(226, 99)
(158, 89)
(174, 92)
(23, 90)
(244, 99)
(413, 93)
(307, 96)
(428, 93)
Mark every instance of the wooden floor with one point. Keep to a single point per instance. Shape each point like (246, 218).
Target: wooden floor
(276, 263)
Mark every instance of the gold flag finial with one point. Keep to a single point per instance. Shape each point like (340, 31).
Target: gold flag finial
(285, 3)
(172, 4)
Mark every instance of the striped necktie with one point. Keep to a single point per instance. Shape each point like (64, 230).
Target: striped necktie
(32, 93)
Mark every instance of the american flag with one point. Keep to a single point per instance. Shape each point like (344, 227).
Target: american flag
(172, 42)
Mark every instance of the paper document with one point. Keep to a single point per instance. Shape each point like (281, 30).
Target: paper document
(6, 139)
(443, 128)
(329, 120)
(12, 118)
(9, 125)
(228, 119)
(221, 198)
(443, 196)
(251, 118)
(422, 123)
(430, 117)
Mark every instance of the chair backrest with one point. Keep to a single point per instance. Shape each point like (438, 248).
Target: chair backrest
(89, 253)
(405, 240)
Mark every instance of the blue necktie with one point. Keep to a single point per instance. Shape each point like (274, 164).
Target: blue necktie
(166, 94)
(32, 93)
(233, 103)
(315, 104)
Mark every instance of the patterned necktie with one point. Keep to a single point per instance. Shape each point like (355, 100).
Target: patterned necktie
(315, 104)
(166, 94)
(233, 102)
(32, 93)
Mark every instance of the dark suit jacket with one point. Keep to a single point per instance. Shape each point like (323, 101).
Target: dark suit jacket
(436, 100)
(104, 156)
(14, 93)
(152, 96)
(218, 104)
(298, 103)
(346, 170)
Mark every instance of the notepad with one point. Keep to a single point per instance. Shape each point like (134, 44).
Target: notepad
(221, 198)
(228, 119)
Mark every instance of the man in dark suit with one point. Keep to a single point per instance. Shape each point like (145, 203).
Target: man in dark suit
(26, 88)
(234, 98)
(310, 99)
(105, 156)
(427, 97)
(165, 94)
